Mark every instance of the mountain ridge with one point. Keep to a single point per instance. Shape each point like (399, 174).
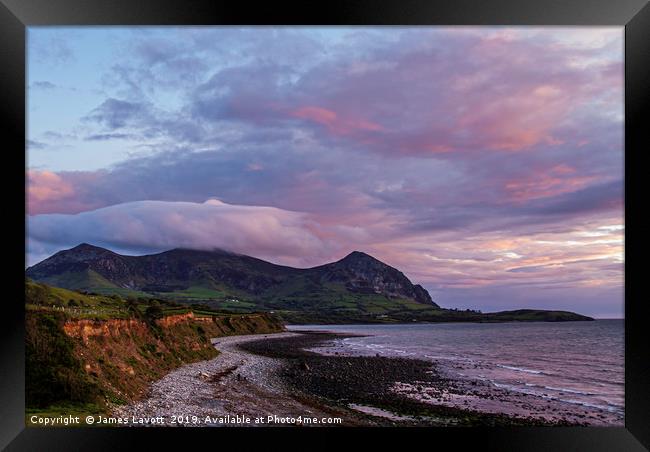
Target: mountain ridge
(182, 268)
(357, 288)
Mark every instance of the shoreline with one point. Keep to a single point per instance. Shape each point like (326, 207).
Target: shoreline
(228, 389)
(470, 390)
(265, 375)
(483, 395)
(386, 387)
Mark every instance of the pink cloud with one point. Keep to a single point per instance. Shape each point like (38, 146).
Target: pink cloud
(505, 92)
(436, 93)
(47, 186)
(521, 117)
(547, 183)
(50, 192)
(333, 122)
(46, 191)
(316, 114)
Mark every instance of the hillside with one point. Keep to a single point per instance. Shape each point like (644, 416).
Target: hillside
(87, 352)
(355, 289)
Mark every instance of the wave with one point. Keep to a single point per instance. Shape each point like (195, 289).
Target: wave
(591, 379)
(572, 391)
(553, 388)
(451, 358)
(521, 369)
(607, 407)
(378, 348)
(577, 378)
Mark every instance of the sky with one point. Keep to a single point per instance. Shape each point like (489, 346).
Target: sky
(486, 163)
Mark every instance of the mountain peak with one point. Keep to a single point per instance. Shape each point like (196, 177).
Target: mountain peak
(87, 247)
(75, 259)
(85, 251)
(360, 272)
(358, 255)
(361, 259)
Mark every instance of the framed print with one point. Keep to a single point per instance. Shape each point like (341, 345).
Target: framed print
(370, 219)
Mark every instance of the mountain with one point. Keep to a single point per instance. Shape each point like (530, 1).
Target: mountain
(358, 282)
(93, 268)
(355, 289)
(362, 273)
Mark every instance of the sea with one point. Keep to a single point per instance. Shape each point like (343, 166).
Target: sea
(574, 369)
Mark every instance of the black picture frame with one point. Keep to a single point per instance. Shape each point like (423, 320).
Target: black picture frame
(16, 15)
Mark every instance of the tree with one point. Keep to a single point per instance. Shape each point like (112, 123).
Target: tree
(153, 312)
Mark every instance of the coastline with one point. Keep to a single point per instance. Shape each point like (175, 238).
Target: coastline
(570, 389)
(277, 375)
(228, 389)
(389, 387)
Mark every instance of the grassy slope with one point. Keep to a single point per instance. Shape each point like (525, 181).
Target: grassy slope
(300, 300)
(89, 280)
(301, 297)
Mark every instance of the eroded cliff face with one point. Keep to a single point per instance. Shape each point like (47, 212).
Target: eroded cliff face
(85, 329)
(120, 357)
(114, 328)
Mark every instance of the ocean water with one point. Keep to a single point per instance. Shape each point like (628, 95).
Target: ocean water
(576, 366)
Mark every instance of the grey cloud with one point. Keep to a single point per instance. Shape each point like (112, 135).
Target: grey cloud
(32, 144)
(109, 136)
(116, 114)
(598, 197)
(43, 85)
